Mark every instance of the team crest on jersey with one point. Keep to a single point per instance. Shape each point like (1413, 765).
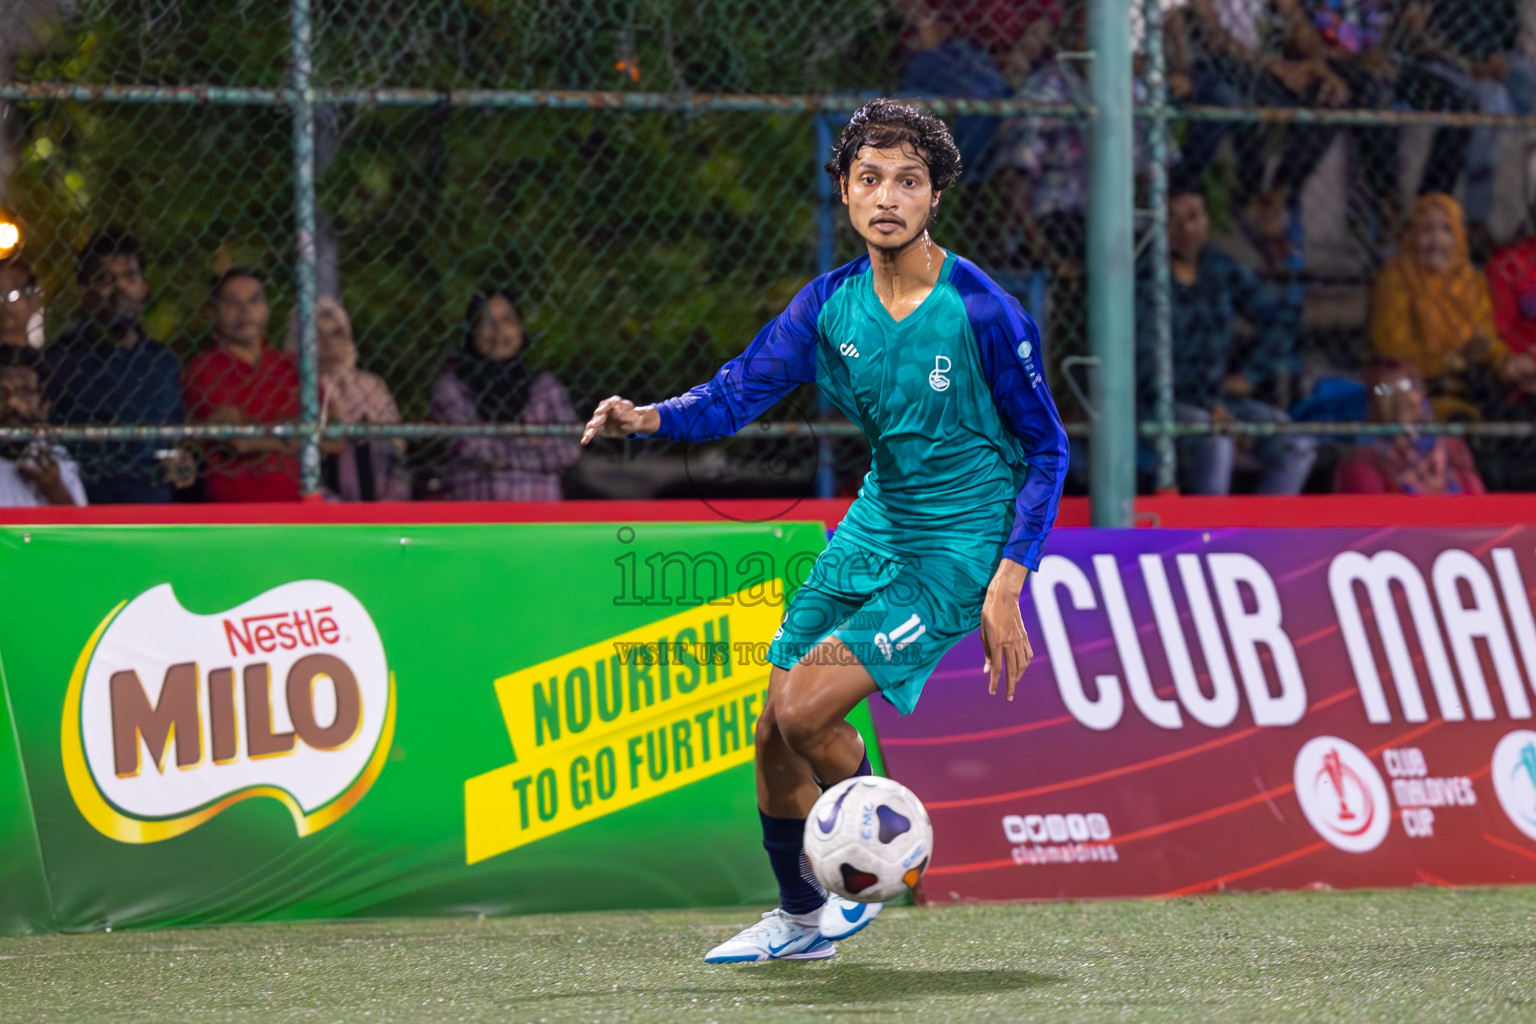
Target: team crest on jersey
(938, 378)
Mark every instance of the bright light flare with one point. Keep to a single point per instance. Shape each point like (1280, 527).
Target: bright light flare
(10, 236)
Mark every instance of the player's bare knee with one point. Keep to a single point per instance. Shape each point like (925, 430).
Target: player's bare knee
(800, 723)
(766, 732)
(799, 732)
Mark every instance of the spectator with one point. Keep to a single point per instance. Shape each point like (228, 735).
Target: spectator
(1049, 186)
(242, 379)
(489, 382)
(1380, 54)
(941, 62)
(31, 472)
(1210, 293)
(21, 305)
(998, 26)
(1511, 277)
(1478, 50)
(1431, 309)
(1045, 159)
(106, 370)
(1407, 463)
(1218, 56)
(367, 470)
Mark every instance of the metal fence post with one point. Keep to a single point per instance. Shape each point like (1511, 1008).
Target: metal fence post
(306, 266)
(1111, 265)
(1157, 200)
(826, 245)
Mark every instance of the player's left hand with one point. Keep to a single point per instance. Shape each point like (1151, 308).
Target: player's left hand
(1002, 628)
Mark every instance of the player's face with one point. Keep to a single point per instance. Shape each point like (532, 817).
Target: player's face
(890, 196)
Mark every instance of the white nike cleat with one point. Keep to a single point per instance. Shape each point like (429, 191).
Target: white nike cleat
(841, 918)
(778, 936)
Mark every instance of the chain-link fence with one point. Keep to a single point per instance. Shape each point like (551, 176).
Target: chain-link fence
(457, 225)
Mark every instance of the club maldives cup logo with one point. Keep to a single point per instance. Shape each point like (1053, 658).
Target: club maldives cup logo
(1514, 778)
(1342, 794)
(171, 717)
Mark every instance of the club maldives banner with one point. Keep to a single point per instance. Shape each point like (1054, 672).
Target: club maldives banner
(1241, 709)
(241, 723)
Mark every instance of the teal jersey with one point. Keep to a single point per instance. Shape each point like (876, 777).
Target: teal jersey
(968, 451)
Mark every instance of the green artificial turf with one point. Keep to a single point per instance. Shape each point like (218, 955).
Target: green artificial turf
(1419, 955)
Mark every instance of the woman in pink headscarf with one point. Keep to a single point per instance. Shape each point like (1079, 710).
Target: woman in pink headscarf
(363, 470)
(1410, 462)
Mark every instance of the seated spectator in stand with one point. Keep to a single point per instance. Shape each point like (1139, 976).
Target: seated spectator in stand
(31, 472)
(363, 470)
(21, 305)
(1218, 56)
(489, 381)
(1045, 159)
(941, 62)
(1378, 49)
(1049, 156)
(1210, 293)
(1408, 463)
(106, 371)
(1431, 309)
(1477, 46)
(1511, 276)
(242, 379)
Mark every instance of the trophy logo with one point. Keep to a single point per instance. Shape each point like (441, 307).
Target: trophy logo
(1342, 794)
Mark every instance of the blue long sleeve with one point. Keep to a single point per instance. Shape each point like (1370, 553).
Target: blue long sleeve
(1011, 356)
(779, 359)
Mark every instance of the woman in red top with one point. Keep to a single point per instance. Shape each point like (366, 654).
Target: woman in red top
(1408, 463)
(1512, 285)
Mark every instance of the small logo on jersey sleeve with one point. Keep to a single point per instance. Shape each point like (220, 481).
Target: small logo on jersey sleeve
(1025, 350)
(847, 348)
(938, 378)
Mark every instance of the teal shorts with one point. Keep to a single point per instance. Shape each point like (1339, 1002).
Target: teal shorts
(898, 616)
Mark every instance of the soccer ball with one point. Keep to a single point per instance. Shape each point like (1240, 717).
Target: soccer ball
(868, 839)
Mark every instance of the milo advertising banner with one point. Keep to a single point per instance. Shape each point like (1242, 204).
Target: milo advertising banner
(237, 723)
(1241, 709)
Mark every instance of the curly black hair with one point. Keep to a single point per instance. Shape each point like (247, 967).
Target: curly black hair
(886, 124)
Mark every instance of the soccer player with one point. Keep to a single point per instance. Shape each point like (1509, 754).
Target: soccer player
(942, 369)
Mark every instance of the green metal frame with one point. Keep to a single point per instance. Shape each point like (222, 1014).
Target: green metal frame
(1112, 247)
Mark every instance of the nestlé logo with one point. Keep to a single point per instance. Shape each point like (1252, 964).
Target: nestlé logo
(172, 716)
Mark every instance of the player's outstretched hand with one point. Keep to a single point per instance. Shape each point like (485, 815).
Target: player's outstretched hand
(1002, 628)
(619, 417)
